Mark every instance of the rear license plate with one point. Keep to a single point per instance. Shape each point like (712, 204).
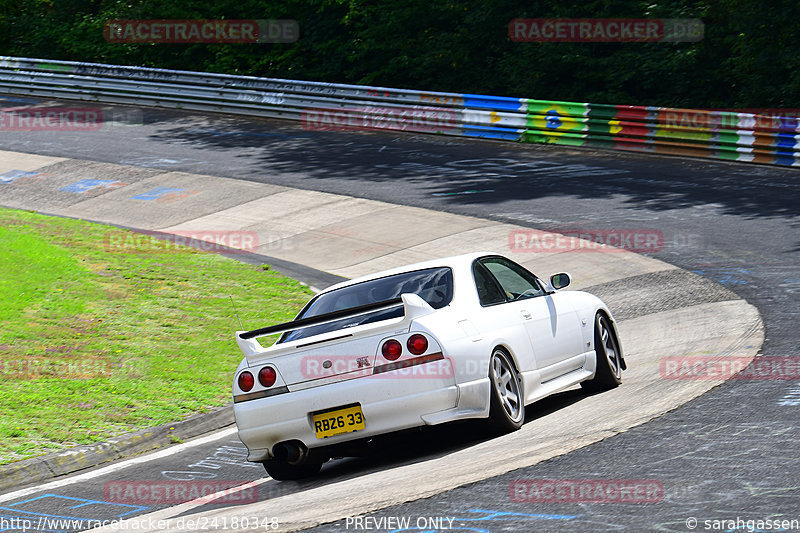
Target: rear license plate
(338, 421)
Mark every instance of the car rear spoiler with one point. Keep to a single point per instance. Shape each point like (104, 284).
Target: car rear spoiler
(322, 319)
(413, 307)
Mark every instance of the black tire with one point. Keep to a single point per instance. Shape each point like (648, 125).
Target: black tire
(283, 471)
(608, 356)
(507, 404)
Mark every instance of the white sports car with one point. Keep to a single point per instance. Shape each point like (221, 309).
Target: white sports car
(471, 336)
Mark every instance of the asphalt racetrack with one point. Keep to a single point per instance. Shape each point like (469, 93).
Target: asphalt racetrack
(729, 455)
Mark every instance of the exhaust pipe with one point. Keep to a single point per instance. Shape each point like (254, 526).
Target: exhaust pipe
(292, 452)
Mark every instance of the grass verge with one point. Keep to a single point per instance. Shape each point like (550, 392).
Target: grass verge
(97, 340)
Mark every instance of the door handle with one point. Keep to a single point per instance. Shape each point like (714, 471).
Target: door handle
(526, 315)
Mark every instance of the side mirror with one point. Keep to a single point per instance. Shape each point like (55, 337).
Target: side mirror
(561, 280)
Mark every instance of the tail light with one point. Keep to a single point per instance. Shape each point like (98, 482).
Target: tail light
(417, 344)
(246, 381)
(267, 376)
(392, 349)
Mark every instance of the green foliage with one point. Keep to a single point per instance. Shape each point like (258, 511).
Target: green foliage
(749, 57)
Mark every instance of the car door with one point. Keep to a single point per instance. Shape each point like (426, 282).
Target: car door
(552, 325)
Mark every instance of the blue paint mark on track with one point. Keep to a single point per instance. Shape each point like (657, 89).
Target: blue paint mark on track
(155, 194)
(13, 175)
(84, 502)
(87, 185)
(27, 511)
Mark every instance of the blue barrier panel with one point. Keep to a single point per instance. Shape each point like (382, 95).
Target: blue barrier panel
(494, 103)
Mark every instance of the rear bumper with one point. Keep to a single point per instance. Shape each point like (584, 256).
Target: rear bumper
(389, 403)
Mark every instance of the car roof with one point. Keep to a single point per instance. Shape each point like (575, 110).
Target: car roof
(456, 261)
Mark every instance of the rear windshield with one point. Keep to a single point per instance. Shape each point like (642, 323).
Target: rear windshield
(434, 285)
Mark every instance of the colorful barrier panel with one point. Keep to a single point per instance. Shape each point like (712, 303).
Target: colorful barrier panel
(728, 135)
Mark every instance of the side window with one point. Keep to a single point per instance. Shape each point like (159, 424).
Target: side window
(489, 292)
(516, 282)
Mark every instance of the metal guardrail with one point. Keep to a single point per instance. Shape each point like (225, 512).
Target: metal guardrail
(332, 106)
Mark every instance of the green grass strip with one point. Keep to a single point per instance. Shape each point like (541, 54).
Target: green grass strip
(99, 340)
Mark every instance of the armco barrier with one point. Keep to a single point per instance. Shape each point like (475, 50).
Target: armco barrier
(698, 133)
